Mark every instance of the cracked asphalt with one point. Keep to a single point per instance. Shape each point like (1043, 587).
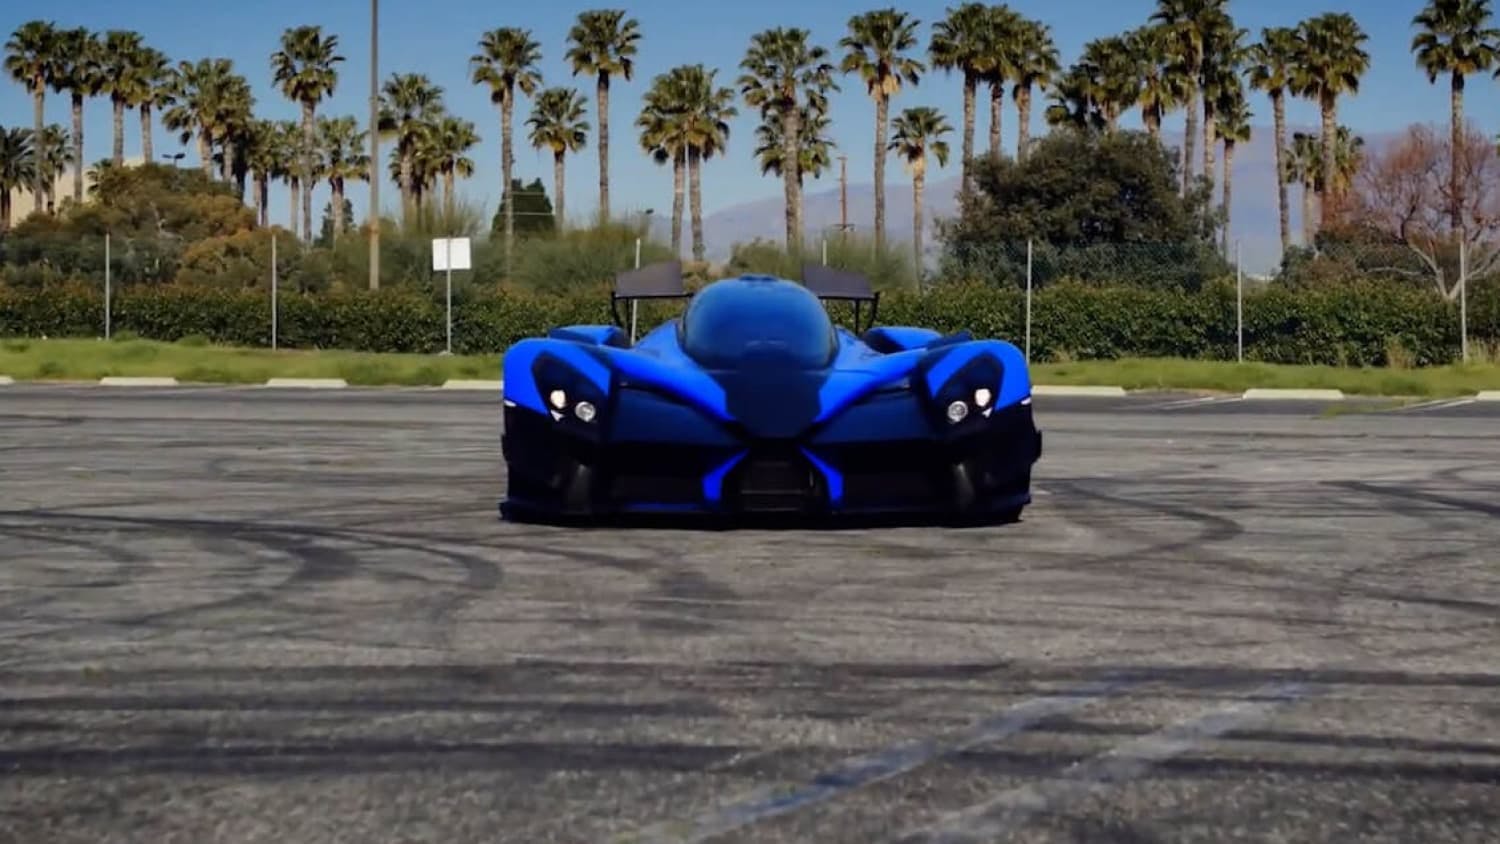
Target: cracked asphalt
(247, 615)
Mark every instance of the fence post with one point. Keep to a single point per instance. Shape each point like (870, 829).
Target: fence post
(633, 302)
(1239, 305)
(273, 291)
(1028, 300)
(1463, 297)
(107, 291)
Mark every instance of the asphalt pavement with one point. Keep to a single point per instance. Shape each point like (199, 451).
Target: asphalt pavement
(253, 615)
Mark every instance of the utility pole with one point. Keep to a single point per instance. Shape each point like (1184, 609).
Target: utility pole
(374, 213)
(843, 194)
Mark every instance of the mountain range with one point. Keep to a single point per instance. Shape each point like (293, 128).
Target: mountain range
(1253, 213)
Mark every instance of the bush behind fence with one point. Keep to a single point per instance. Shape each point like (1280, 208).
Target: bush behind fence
(1351, 324)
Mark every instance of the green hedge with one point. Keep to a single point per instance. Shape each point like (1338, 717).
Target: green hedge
(1349, 325)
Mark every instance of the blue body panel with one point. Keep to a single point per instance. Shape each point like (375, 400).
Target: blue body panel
(792, 385)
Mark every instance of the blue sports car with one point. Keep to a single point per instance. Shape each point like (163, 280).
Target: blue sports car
(755, 401)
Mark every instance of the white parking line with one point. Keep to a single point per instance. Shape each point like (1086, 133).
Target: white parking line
(1193, 402)
(1435, 404)
(997, 818)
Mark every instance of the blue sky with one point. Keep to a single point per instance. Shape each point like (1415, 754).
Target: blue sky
(436, 37)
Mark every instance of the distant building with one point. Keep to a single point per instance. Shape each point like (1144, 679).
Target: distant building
(22, 203)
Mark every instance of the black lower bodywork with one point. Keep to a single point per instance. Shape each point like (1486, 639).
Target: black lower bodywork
(981, 473)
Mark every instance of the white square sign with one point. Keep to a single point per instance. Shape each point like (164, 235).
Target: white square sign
(450, 253)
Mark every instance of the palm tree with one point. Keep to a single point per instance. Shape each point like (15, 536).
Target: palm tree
(200, 93)
(1456, 39)
(56, 156)
(1115, 72)
(604, 44)
(1271, 65)
(342, 145)
(1223, 56)
(1331, 64)
(305, 71)
(1232, 111)
(876, 49)
(291, 164)
(150, 89)
(117, 56)
(410, 103)
(78, 74)
(265, 160)
(32, 58)
(916, 131)
(958, 43)
(783, 73)
(1306, 167)
(814, 147)
(998, 64)
(557, 124)
(1035, 62)
(1075, 99)
(663, 124)
(507, 60)
(452, 138)
(1162, 89)
(1188, 24)
(17, 163)
(233, 119)
(708, 110)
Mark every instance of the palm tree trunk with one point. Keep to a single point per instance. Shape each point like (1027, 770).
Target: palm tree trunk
(263, 199)
(1330, 193)
(408, 190)
(4, 210)
(1456, 124)
(695, 187)
(1152, 119)
(1209, 143)
(228, 165)
(882, 116)
(971, 84)
(1190, 134)
(1309, 222)
(78, 146)
(449, 176)
(791, 175)
(997, 99)
(506, 163)
(206, 154)
(1278, 107)
(1228, 188)
(117, 154)
(679, 173)
(39, 178)
(337, 186)
(602, 95)
(558, 216)
(1023, 120)
(307, 169)
(917, 180)
(296, 189)
(146, 151)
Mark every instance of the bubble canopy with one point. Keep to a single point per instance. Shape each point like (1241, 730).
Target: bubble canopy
(734, 320)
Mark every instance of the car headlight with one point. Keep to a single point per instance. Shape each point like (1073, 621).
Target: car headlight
(585, 411)
(570, 395)
(957, 410)
(969, 392)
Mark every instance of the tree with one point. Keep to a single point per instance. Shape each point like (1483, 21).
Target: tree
(1271, 63)
(557, 123)
(31, 58)
(533, 210)
(664, 136)
(1002, 38)
(1330, 65)
(1188, 25)
(604, 44)
(708, 108)
(876, 49)
(1403, 193)
(957, 44)
(152, 89)
(506, 61)
(783, 74)
(117, 57)
(814, 147)
(305, 71)
(451, 140)
(1080, 188)
(80, 75)
(1162, 89)
(1223, 58)
(1456, 39)
(1035, 63)
(16, 165)
(342, 145)
(410, 104)
(916, 132)
(1233, 114)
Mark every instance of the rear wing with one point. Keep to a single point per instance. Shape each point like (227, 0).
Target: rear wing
(837, 285)
(653, 281)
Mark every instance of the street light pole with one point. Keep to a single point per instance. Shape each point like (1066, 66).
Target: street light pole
(374, 213)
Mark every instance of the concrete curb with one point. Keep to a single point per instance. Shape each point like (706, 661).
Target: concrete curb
(462, 384)
(1071, 390)
(1487, 395)
(1274, 393)
(6, 380)
(136, 381)
(309, 383)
